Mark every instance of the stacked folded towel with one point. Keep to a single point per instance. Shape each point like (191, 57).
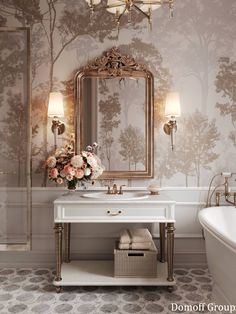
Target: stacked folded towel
(135, 239)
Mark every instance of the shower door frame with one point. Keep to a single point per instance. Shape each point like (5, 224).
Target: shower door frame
(27, 245)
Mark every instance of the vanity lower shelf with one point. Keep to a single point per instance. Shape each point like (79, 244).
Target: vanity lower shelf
(100, 273)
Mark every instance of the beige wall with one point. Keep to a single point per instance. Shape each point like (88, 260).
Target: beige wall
(193, 53)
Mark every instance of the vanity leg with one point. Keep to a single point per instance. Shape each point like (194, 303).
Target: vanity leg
(162, 227)
(170, 250)
(58, 249)
(67, 228)
(58, 289)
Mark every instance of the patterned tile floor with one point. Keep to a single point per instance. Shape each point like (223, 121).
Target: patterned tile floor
(30, 291)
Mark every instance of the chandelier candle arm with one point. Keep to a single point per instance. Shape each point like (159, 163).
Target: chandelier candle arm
(122, 7)
(142, 12)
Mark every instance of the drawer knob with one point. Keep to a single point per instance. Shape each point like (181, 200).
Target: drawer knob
(114, 214)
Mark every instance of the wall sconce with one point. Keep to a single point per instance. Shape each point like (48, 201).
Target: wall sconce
(172, 110)
(56, 110)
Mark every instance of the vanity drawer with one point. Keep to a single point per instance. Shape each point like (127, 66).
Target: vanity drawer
(111, 213)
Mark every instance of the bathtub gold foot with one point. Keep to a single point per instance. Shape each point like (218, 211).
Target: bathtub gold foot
(170, 250)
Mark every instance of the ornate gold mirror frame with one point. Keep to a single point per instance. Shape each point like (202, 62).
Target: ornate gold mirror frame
(121, 69)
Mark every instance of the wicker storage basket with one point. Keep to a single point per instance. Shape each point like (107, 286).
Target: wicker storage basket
(135, 263)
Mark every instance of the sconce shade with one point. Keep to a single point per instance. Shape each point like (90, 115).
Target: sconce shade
(55, 105)
(172, 105)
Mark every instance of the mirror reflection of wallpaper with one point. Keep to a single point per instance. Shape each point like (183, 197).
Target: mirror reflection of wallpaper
(121, 123)
(193, 53)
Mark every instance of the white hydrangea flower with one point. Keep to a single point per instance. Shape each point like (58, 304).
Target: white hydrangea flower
(77, 161)
(87, 172)
(92, 161)
(62, 174)
(97, 172)
(51, 162)
(85, 154)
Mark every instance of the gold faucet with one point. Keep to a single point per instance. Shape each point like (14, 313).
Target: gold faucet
(230, 197)
(227, 198)
(114, 189)
(121, 191)
(227, 194)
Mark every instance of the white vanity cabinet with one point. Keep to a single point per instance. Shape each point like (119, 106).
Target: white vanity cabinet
(74, 208)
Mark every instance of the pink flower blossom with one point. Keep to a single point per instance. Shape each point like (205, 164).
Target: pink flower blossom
(69, 177)
(79, 173)
(72, 171)
(54, 173)
(67, 169)
(59, 180)
(51, 162)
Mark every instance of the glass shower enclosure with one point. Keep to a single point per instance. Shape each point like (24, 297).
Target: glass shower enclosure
(15, 139)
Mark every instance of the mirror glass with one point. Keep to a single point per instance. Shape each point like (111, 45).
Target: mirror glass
(114, 116)
(114, 107)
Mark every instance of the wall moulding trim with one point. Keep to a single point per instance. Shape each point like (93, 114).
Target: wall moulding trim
(49, 205)
(190, 203)
(166, 188)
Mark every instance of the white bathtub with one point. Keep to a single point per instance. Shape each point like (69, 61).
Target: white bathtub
(219, 225)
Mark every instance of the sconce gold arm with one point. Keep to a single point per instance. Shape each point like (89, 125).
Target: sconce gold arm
(58, 128)
(170, 128)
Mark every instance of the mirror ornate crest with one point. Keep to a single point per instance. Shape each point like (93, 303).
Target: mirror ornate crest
(114, 107)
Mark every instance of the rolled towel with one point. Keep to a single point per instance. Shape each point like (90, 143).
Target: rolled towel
(125, 237)
(140, 235)
(135, 246)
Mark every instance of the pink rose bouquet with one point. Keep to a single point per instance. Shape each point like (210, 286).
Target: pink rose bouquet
(65, 167)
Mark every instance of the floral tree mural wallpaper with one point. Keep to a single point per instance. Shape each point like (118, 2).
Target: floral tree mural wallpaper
(109, 109)
(193, 53)
(121, 117)
(226, 87)
(13, 103)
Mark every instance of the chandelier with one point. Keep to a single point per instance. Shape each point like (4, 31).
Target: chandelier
(126, 7)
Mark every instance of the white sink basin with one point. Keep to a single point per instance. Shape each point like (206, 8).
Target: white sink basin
(128, 196)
